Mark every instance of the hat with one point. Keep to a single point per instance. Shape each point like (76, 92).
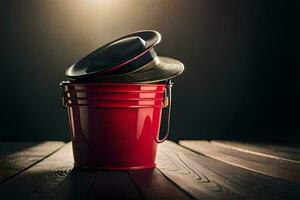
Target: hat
(130, 58)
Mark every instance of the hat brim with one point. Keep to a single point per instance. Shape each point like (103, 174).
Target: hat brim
(160, 69)
(81, 68)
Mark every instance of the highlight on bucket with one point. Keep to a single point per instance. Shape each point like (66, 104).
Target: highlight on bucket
(115, 100)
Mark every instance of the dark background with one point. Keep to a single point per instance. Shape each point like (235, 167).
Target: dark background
(241, 57)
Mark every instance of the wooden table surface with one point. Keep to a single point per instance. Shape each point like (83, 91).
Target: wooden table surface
(188, 170)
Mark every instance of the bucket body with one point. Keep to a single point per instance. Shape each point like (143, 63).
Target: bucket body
(114, 126)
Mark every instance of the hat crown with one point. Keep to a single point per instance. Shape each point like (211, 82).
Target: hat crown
(118, 52)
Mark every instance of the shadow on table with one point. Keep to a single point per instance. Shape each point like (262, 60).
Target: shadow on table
(95, 184)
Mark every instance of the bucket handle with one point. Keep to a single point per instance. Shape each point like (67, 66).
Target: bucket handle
(167, 103)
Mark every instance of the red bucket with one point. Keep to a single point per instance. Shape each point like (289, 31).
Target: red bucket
(115, 126)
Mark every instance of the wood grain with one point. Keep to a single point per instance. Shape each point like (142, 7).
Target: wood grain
(273, 167)
(55, 178)
(181, 174)
(278, 152)
(37, 181)
(16, 157)
(154, 185)
(206, 178)
(194, 179)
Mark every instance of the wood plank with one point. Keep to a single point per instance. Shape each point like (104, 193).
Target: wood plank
(154, 185)
(207, 178)
(279, 152)
(114, 185)
(38, 180)
(273, 167)
(187, 176)
(80, 184)
(20, 156)
(92, 184)
(55, 178)
(76, 185)
(200, 176)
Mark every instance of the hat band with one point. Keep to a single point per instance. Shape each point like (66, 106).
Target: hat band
(132, 64)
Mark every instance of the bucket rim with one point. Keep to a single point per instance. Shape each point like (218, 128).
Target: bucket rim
(65, 83)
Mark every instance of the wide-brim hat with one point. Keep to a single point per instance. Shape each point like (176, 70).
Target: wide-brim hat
(130, 58)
